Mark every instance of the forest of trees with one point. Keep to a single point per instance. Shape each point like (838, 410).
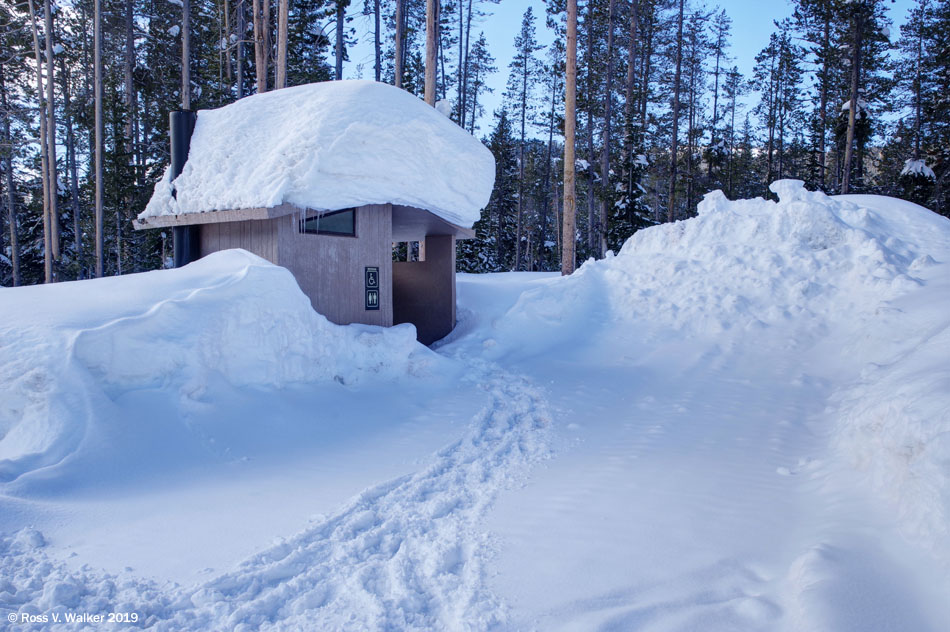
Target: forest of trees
(839, 98)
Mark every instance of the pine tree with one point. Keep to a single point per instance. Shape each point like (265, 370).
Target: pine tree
(524, 68)
(866, 43)
(778, 77)
(493, 248)
(917, 83)
(813, 22)
(722, 25)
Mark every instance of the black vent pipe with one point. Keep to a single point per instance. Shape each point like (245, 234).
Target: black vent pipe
(181, 124)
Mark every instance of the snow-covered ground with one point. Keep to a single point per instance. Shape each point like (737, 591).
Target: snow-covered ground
(739, 422)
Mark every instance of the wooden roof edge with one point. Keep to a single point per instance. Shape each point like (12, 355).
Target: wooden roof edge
(242, 214)
(213, 217)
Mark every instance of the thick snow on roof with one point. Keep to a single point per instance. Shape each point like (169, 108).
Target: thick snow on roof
(328, 146)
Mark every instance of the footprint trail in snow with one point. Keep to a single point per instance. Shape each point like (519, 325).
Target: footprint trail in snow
(407, 554)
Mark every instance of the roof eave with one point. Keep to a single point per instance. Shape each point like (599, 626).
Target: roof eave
(214, 217)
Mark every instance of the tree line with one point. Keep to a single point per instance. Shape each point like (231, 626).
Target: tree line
(661, 113)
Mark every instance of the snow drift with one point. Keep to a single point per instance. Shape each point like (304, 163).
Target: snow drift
(739, 267)
(66, 349)
(327, 146)
(857, 285)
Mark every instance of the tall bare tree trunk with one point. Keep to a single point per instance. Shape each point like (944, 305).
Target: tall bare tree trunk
(283, 14)
(432, 38)
(260, 46)
(542, 237)
(8, 177)
(605, 151)
(591, 156)
(242, 33)
(570, 108)
(44, 153)
(97, 88)
(227, 38)
(524, 114)
(824, 100)
(465, 68)
(628, 103)
(377, 44)
(671, 207)
(71, 168)
(267, 43)
(715, 122)
(917, 94)
(129, 65)
(853, 110)
(186, 54)
(458, 75)
(340, 26)
(400, 41)
(647, 68)
(51, 133)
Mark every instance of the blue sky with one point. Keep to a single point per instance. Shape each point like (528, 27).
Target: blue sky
(752, 23)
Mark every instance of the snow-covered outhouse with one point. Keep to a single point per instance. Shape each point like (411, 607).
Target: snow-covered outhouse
(324, 179)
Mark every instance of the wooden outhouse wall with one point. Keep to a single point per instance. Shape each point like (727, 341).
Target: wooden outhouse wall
(330, 269)
(257, 236)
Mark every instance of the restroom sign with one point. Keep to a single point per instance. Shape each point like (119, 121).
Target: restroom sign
(372, 287)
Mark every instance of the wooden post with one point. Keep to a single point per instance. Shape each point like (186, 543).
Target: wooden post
(570, 108)
(432, 30)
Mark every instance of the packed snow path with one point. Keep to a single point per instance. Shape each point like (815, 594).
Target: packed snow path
(409, 554)
(406, 555)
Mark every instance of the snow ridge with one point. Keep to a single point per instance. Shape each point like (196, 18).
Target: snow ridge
(409, 554)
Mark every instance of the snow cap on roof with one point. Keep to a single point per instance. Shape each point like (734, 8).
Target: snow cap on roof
(328, 146)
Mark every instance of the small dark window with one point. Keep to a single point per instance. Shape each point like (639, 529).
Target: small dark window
(332, 223)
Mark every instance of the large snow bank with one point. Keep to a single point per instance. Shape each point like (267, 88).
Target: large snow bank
(856, 288)
(328, 146)
(66, 349)
(739, 267)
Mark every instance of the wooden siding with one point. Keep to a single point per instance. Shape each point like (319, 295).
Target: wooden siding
(257, 236)
(330, 269)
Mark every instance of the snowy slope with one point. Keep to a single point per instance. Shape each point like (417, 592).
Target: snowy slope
(755, 406)
(66, 350)
(738, 422)
(327, 146)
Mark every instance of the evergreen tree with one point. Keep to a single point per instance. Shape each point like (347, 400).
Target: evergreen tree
(493, 248)
(778, 77)
(522, 80)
